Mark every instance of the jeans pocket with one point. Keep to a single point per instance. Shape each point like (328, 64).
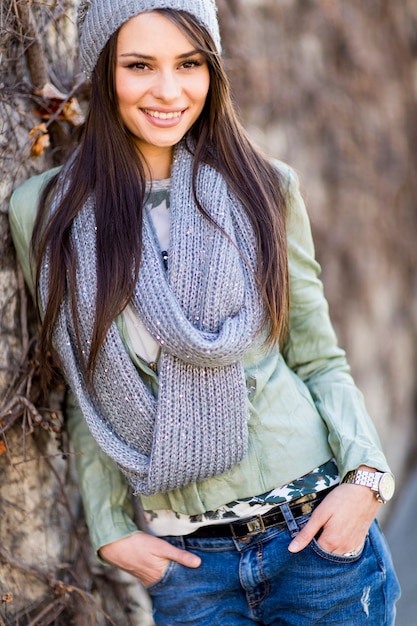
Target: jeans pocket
(164, 578)
(350, 557)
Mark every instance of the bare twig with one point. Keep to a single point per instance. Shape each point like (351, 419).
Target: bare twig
(56, 604)
(57, 586)
(34, 53)
(23, 310)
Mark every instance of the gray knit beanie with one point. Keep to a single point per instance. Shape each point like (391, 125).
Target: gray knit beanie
(99, 19)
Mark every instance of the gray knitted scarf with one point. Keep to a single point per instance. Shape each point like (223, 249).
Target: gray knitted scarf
(204, 312)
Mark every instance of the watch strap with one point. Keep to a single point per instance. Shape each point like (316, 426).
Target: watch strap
(363, 477)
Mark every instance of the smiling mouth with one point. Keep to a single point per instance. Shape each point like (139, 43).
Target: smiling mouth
(160, 115)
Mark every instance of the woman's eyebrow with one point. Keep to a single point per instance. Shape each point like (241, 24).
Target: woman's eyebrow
(148, 57)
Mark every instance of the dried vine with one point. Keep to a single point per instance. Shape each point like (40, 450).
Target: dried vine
(22, 398)
(78, 591)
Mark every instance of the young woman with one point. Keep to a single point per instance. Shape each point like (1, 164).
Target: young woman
(175, 273)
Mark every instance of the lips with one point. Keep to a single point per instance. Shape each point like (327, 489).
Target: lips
(163, 115)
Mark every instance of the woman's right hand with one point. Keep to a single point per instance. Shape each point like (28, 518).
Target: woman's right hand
(145, 556)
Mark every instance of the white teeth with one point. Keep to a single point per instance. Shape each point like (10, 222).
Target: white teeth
(163, 116)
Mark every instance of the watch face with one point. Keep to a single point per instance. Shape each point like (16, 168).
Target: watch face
(386, 487)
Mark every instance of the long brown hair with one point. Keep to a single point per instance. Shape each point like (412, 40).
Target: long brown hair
(107, 164)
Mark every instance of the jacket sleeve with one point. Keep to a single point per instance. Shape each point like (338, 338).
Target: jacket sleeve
(312, 351)
(104, 490)
(105, 493)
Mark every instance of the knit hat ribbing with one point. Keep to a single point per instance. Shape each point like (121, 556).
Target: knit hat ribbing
(99, 19)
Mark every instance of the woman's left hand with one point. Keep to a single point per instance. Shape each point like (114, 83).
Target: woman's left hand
(344, 518)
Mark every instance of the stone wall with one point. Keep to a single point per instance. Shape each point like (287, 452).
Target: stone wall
(330, 87)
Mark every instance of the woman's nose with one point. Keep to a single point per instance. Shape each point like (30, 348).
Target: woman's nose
(167, 86)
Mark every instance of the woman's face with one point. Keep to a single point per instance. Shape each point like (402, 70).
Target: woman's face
(162, 83)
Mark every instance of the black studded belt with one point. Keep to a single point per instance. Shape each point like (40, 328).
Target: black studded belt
(258, 524)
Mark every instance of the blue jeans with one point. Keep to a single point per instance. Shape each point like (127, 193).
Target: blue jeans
(257, 581)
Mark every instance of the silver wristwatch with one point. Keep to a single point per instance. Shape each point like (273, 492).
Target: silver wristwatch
(382, 483)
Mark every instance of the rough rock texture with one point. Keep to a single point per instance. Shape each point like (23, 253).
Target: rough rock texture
(330, 87)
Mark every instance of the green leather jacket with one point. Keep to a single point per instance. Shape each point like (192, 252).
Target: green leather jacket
(304, 405)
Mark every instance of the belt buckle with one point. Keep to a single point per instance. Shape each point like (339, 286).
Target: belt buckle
(255, 526)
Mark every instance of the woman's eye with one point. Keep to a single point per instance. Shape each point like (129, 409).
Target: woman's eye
(137, 66)
(188, 65)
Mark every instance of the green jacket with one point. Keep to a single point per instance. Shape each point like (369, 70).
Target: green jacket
(304, 405)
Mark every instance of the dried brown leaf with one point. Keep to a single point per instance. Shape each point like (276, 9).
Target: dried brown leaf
(59, 105)
(50, 92)
(7, 597)
(40, 139)
(72, 112)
